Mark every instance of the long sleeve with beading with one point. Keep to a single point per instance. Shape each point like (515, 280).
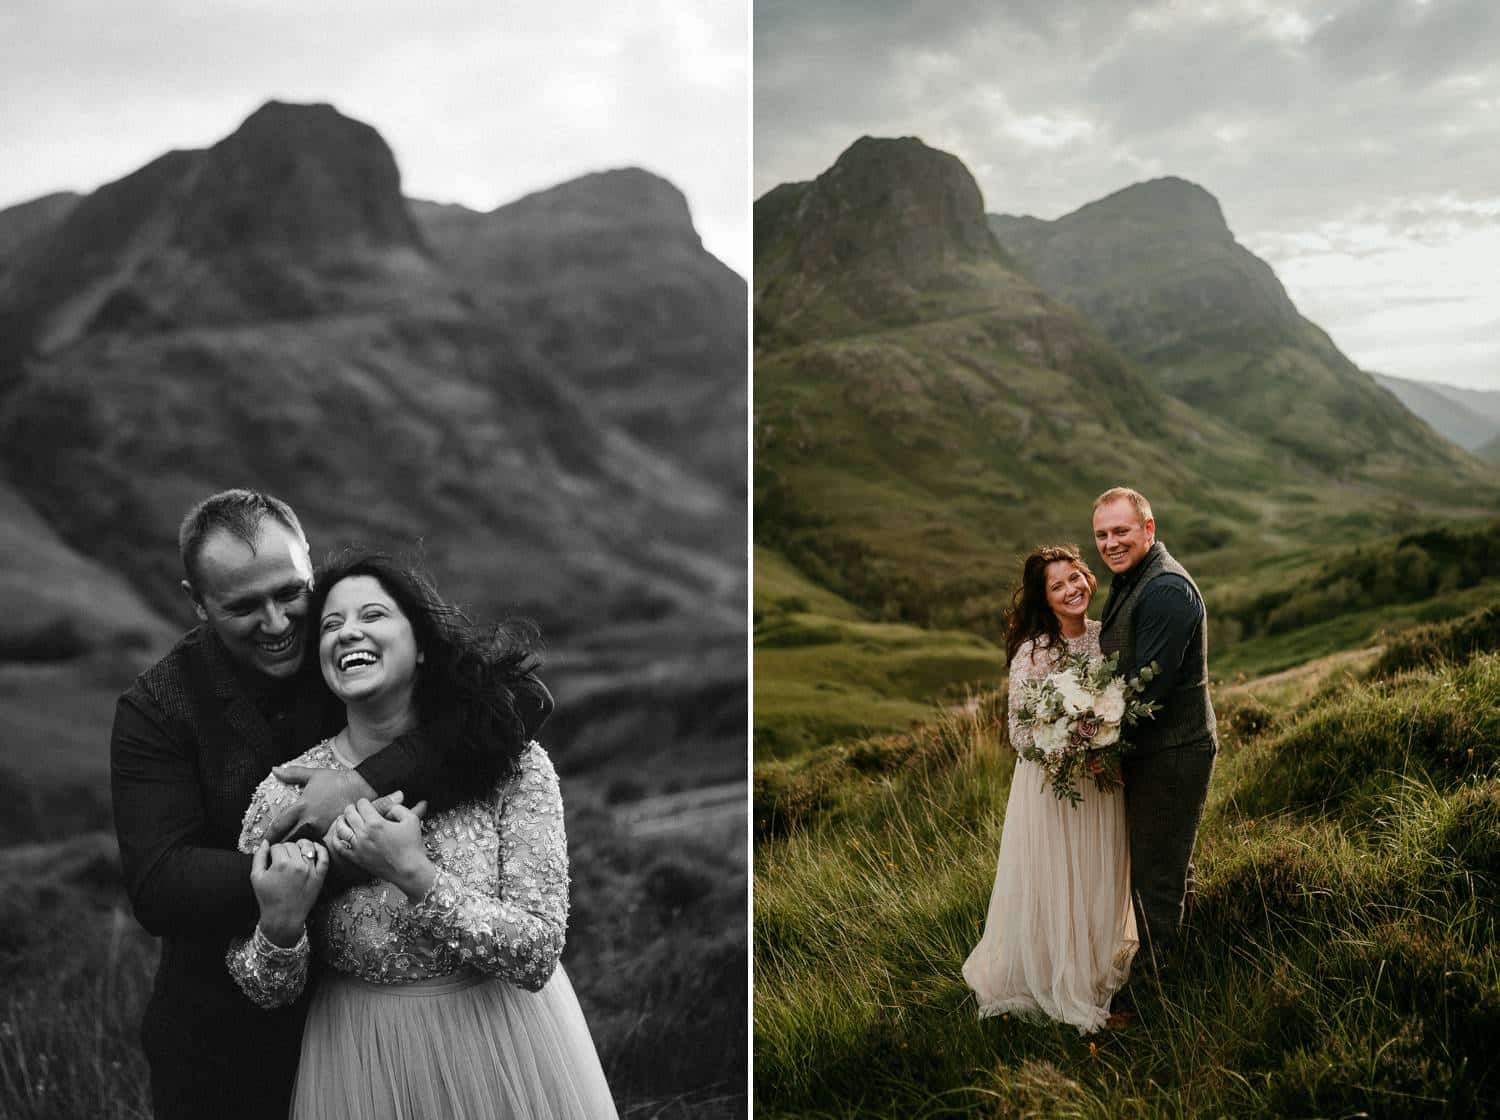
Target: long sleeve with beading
(272, 976)
(517, 936)
(1029, 664)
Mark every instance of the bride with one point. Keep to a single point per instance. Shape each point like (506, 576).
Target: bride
(1060, 933)
(439, 992)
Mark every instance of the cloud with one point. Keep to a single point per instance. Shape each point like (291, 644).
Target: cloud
(1329, 133)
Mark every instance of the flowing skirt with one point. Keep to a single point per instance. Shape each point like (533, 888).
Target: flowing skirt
(466, 1047)
(1060, 933)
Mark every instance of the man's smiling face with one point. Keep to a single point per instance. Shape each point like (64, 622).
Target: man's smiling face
(254, 597)
(1122, 538)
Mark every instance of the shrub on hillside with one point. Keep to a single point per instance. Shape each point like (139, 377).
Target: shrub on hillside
(1243, 717)
(36, 811)
(1416, 567)
(1470, 838)
(1457, 640)
(1271, 883)
(1345, 745)
(57, 639)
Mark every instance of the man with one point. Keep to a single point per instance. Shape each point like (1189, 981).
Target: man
(1154, 614)
(192, 738)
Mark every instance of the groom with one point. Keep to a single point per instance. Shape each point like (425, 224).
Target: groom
(1154, 613)
(192, 738)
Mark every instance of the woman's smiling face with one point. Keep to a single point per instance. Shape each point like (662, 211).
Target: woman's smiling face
(366, 647)
(1068, 591)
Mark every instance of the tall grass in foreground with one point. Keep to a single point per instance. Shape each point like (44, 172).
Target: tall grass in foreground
(656, 950)
(1341, 957)
(75, 971)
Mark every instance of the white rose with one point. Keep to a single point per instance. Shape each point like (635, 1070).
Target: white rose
(1052, 737)
(1108, 736)
(1111, 705)
(1075, 698)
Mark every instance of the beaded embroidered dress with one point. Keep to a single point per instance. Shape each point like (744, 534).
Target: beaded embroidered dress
(1060, 933)
(455, 1006)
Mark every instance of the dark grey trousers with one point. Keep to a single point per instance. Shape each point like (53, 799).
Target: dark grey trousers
(1164, 795)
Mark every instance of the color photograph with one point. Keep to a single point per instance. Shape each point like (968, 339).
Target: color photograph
(373, 560)
(1126, 466)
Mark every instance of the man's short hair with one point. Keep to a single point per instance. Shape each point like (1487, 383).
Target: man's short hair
(239, 512)
(1134, 497)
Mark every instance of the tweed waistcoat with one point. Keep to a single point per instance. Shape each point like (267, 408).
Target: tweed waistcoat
(195, 687)
(1187, 713)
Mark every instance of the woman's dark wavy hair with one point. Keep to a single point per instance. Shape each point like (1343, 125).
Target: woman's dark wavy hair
(1029, 615)
(465, 689)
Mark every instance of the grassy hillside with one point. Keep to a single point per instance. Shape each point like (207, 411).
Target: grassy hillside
(907, 470)
(1341, 958)
(824, 671)
(1272, 619)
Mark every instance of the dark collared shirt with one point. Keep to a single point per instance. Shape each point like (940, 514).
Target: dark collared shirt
(1168, 611)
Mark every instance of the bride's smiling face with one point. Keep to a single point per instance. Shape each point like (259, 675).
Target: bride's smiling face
(366, 647)
(1068, 591)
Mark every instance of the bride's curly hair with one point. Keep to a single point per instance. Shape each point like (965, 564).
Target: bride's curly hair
(466, 685)
(1029, 615)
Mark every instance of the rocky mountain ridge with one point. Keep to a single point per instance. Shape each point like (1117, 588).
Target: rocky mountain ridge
(607, 278)
(1157, 269)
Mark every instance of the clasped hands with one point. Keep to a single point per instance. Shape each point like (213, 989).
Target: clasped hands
(381, 838)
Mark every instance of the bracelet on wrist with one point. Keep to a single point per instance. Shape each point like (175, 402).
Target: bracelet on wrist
(266, 945)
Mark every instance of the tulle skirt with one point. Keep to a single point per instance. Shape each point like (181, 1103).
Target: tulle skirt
(465, 1047)
(1060, 933)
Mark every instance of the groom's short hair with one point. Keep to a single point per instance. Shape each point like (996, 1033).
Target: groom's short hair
(1134, 497)
(238, 512)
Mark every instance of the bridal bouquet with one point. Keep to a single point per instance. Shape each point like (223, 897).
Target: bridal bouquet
(1076, 714)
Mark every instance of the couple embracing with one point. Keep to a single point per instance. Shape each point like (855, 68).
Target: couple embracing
(1085, 890)
(374, 930)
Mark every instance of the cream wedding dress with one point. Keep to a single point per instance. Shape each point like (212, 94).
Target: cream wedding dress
(1060, 933)
(455, 1007)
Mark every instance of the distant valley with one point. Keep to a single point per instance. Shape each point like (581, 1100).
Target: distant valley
(1468, 417)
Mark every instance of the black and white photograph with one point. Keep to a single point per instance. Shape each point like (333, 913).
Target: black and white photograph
(373, 560)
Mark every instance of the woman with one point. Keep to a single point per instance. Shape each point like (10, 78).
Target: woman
(1060, 934)
(440, 994)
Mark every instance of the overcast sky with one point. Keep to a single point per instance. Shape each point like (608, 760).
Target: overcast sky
(482, 101)
(1355, 145)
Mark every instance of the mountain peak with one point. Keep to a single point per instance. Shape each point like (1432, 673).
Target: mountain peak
(890, 226)
(1153, 264)
(618, 200)
(923, 202)
(297, 176)
(1169, 201)
(298, 210)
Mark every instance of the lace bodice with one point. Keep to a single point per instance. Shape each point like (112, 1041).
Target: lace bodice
(499, 904)
(1032, 663)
